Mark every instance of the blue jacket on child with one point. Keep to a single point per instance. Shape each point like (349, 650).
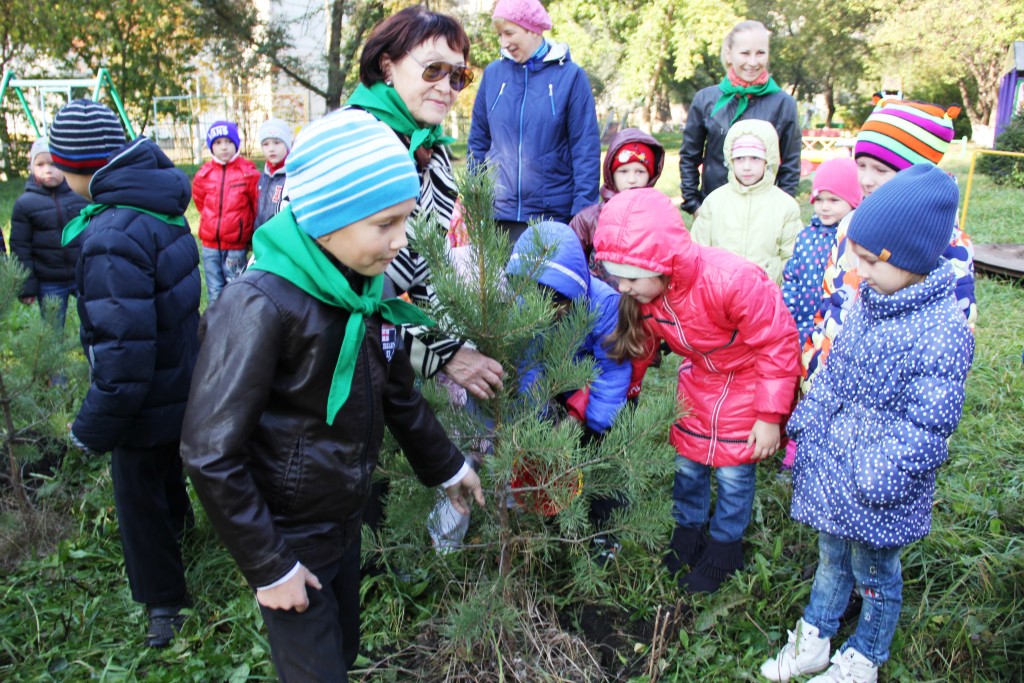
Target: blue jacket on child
(568, 274)
(872, 431)
(138, 283)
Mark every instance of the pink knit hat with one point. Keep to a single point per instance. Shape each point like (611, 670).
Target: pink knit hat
(838, 176)
(529, 14)
(749, 146)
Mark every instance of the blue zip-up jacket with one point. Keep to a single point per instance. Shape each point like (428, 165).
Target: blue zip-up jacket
(872, 431)
(138, 284)
(536, 124)
(567, 273)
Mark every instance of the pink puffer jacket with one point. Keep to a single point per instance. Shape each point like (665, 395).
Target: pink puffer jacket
(721, 313)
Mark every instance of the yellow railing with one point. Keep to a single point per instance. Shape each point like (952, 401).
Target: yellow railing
(970, 178)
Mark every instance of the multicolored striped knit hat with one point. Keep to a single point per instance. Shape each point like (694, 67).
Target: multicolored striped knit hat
(345, 167)
(83, 136)
(901, 133)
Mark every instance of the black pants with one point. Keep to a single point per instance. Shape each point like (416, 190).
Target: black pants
(513, 228)
(322, 643)
(153, 510)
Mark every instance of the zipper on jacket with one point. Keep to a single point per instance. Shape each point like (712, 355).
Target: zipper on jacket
(500, 91)
(370, 404)
(519, 166)
(220, 211)
(551, 97)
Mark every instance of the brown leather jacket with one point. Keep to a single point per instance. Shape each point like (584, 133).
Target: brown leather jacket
(278, 483)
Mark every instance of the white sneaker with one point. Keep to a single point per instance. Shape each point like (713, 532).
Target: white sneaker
(805, 653)
(849, 667)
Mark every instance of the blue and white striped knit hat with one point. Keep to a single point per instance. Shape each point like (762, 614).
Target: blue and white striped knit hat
(83, 136)
(345, 167)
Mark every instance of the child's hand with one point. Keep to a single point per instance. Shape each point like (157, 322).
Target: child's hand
(468, 486)
(764, 439)
(291, 594)
(27, 300)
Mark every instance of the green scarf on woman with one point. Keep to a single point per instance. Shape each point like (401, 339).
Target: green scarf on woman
(282, 248)
(730, 90)
(383, 102)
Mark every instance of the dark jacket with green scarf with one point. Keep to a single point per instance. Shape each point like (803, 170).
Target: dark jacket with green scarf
(279, 484)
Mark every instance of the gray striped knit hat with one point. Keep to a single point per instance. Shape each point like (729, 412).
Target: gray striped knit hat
(83, 136)
(345, 167)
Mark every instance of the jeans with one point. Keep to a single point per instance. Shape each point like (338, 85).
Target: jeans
(877, 574)
(53, 294)
(221, 266)
(691, 493)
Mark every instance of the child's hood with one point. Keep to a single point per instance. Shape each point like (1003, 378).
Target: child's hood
(766, 132)
(643, 228)
(625, 137)
(131, 176)
(565, 269)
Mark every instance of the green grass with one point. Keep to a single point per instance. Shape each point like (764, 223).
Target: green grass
(67, 615)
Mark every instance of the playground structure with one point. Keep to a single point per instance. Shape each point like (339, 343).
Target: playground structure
(65, 86)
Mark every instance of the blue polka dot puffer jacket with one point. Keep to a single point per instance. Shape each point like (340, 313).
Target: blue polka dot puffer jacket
(872, 431)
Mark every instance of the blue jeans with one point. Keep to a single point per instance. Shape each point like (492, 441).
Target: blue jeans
(55, 294)
(691, 493)
(877, 574)
(221, 267)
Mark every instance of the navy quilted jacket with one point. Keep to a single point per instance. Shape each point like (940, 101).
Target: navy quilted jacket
(37, 221)
(138, 279)
(872, 431)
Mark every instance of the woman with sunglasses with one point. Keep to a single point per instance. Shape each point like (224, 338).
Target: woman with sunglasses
(412, 68)
(411, 71)
(535, 124)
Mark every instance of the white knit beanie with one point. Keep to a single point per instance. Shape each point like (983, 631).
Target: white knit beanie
(276, 129)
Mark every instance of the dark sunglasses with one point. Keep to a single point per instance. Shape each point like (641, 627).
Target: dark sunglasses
(458, 76)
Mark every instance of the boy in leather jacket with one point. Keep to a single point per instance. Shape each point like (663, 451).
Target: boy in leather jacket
(285, 429)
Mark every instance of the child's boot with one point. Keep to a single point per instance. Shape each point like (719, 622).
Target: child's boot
(805, 653)
(684, 548)
(717, 563)
(849, 666)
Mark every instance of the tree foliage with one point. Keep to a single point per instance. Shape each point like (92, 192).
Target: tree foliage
(927, 41)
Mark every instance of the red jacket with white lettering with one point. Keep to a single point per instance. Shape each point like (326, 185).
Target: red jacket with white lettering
(721, 313)
(225, 195)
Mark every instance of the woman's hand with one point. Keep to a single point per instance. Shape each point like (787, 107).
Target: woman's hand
(292, 593)
(476, 373)
(468, 487)
(764, 439)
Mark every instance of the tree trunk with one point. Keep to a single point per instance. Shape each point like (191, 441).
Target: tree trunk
(335, 82)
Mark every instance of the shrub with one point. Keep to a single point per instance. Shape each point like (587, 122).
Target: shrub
(1006, 170)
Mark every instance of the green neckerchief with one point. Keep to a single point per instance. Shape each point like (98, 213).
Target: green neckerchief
(282, 248)
(383, 102)
(76, 225)
(729, 91)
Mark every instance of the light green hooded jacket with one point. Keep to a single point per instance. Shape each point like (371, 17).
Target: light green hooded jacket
(759, 222)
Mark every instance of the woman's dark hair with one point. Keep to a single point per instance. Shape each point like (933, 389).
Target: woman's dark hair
(401, 32)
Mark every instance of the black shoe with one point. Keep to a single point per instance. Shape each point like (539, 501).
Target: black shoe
(685, 547)
(164, 623)
(717, 563)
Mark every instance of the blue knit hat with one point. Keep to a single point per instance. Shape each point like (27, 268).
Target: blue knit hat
(908, 222)
(83, 136)
(345, 167)
(223, 129)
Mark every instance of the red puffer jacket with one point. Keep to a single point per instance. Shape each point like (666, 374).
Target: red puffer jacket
(721, 313)
(225, 195)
